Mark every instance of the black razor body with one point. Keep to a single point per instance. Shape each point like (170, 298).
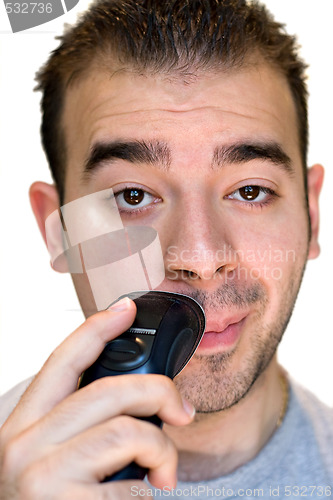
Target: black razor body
(166, 331)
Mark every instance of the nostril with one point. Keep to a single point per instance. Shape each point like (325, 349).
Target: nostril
(191, 274)
(187, 274)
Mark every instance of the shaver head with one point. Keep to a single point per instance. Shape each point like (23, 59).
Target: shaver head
(166, 331)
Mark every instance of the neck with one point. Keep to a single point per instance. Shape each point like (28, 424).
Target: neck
(216, 444)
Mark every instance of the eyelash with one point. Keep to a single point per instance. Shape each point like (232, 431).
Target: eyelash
(135, 211)
(255, 204)
(247, 203)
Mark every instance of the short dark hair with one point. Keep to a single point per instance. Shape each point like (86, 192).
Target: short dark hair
(179, 37)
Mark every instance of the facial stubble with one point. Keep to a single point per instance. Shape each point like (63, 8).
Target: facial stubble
(213, 384)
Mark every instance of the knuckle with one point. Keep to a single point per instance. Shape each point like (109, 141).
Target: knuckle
(100, 386)
(157, 387)
(25, 484)
(166, 382)
(91, 321)
(172, 451)
(117, 432)
(109, 386)
(96, 323)
(166, 387)
(98, 389)
(165, 448)
(144, 437)
(156, 448)
(148, 386)
(124, 428)
(139, 385)
(11, 454)
(31, 482)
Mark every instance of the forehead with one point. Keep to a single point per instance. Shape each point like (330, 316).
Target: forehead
(193, 117)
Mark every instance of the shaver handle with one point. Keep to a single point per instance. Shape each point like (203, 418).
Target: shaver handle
(133, 470)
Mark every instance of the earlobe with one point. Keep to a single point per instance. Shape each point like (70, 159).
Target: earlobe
(44, 200)
(315, 181)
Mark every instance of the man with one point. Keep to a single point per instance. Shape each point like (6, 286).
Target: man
(194, 114)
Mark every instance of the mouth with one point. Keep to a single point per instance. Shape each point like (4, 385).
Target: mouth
(223, 334)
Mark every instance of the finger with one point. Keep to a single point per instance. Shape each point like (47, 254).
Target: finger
(58, 377)
(123, 490)
(135, 395)
(119, 490)
(105, 449)
(108, 448)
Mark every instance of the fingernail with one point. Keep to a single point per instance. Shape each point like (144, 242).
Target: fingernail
(189, 408)
(121, 305)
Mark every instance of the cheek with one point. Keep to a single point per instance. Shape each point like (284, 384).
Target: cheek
(274, 253)
(272, 236)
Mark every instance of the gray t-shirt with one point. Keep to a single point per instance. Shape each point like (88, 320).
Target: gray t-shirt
(297, 462)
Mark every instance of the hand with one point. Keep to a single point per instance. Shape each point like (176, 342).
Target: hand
(60, 443)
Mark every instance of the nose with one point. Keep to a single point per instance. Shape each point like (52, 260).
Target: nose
(199, 247)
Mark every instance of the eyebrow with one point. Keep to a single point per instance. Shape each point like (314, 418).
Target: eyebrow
(158, 153)
(155, 153)
(242, 153)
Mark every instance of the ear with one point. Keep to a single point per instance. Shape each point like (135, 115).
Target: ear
(44, 200)
(315, 181)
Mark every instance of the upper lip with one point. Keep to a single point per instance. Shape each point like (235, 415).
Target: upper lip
(218, 325)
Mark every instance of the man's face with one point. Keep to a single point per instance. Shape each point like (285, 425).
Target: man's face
(223, 187)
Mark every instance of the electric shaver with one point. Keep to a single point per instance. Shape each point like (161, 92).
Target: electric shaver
(166, 331)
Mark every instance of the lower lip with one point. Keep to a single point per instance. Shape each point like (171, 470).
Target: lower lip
(225, 339)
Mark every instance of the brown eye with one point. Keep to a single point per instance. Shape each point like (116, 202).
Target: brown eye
(133, 196)
(133, 200)
(254, 196)
(250, 193)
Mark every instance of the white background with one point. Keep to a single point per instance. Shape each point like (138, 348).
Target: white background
(39, 307)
